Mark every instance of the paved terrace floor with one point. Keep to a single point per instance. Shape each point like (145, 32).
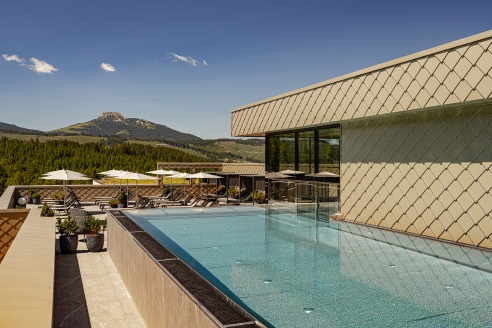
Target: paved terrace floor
(89, 291)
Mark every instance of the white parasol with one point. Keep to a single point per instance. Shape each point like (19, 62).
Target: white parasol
(125, 175)
(64, 175)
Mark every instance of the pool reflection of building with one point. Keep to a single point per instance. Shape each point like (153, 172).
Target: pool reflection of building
(410, 139)
(348, 271)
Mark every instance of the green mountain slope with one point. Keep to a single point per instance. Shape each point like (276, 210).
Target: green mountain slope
(113, 123)
(17, 129)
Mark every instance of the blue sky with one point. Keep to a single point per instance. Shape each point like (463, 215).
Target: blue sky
(245, 51)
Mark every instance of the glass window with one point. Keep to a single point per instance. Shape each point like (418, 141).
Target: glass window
(306, 151)
(280, 152)
(329, 150)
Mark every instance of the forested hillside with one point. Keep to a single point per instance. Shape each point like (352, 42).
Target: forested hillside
(23, 162)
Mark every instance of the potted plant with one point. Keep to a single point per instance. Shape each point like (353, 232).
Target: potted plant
(47, 210)
(29, 195)
(233, 192)
(122, 200)
(259, 196)
(95, 239)
(36, 196)
(68, 238)
(113, 203)
(58, 196)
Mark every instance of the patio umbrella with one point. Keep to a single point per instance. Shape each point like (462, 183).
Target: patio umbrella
(323, 174)
(291, 172)
(326, 175)
(111, 173)
(64, 175)
(63, 172)
(165, 172)
(133, 176)
(203, 175)
(274, 175)
(180, 175)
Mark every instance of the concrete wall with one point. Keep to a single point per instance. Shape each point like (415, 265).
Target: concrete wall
(160, 301)
(428, 173)
(27, 275)
(10, 223)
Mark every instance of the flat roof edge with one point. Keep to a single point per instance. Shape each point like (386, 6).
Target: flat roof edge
(393, 62)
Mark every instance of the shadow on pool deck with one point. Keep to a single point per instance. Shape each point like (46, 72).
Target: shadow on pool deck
(70, 306)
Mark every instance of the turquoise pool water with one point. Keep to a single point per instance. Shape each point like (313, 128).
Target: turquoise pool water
(293, 271)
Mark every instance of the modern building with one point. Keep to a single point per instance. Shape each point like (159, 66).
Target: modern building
(411, 139)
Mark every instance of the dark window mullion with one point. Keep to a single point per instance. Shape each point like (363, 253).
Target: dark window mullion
(296, 151)
(316, 152)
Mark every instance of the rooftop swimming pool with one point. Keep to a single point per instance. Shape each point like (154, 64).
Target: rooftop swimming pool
(290, 270)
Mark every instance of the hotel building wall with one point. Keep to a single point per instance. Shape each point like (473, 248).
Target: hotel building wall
(454, 73)
(428, 173)
(415, 149)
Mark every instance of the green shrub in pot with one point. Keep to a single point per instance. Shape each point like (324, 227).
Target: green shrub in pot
(68, 237)
(47, 210)
(58, 196)
(36, 196)
(113, 203)
(233, 192)
(95, 239)
(122, 200)
(30, 191)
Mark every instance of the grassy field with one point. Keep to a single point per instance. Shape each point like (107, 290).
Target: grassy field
(223, 147)
(189, 151)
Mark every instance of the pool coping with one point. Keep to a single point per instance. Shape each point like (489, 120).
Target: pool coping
(134, 230)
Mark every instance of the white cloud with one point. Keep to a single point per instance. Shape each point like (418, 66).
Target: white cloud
(193, 62)
(40, 66)
(204, 62)
(13, 58)
(108, 68)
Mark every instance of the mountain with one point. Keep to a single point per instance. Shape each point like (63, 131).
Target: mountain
(18, 129)
(113, 123)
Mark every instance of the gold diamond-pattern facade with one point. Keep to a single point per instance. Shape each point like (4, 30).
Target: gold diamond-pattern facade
(452, 76)
(10, 223)
(428, 173)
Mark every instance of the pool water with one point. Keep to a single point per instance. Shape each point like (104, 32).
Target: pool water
(290, 270)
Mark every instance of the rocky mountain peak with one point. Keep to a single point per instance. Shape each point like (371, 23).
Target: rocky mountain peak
(115, 115)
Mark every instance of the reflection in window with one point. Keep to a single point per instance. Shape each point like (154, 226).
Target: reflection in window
(315, 151)
(306, 151)
(281, 152)
(329, 150)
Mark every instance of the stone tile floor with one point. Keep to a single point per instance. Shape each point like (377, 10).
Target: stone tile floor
(89, 291)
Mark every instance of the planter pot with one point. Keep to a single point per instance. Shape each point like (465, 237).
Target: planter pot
(68, 244)
(260, 201)
(36, 201)
(28, 199)
(114, 206)
(95, 243)
(121, 205)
